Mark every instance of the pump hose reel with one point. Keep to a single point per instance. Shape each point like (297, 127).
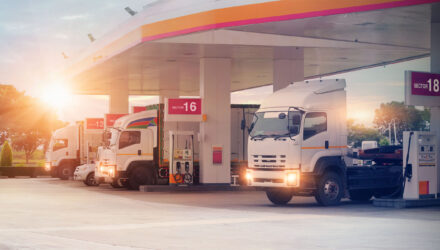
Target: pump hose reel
(408, 167)
(407, 173)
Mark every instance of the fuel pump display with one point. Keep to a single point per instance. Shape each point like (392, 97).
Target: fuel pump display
(182, 158)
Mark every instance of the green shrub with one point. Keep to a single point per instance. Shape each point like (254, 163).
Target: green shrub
(6, 155)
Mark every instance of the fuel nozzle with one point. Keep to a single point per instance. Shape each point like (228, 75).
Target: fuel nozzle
(187, 167)
(178, 167)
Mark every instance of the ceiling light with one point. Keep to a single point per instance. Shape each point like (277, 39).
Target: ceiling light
(130, 11)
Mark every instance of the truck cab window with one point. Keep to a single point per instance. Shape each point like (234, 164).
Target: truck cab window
(314, 123)
(60, 144)
(129, 138)
(275, 124)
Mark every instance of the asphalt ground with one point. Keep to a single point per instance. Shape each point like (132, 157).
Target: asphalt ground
(54, 214)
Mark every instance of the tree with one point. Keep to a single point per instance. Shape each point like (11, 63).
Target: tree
(25, 120)
(404, 118)
(6, 155)
(384, 142)
(358, 133)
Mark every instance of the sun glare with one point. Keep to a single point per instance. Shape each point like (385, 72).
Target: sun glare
(362, 116)
(56, 95)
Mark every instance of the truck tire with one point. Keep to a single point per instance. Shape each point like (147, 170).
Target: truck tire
(361, 195)
(90, 180)
(65, 171)
(140, 176)
(279, 196)
(330, 189)
(116, 184)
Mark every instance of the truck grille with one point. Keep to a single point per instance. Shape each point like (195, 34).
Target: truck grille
(269, 161)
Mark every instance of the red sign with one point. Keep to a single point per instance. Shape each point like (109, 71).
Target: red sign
(137, 109)
(217, 155)
(426, 84)
(111, 118)
(94, 123)
(185, 106)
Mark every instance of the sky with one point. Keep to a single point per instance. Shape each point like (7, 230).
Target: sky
(34, 34)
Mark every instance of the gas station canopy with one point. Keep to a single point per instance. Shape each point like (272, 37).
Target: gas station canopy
(326, 37)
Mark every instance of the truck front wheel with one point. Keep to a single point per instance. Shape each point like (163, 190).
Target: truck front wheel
(279, 196)
(65, 171)
(330, 189)
(140, 176)
(116, 184)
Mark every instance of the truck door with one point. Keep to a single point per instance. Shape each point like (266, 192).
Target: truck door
(315, 138)
(129, 146)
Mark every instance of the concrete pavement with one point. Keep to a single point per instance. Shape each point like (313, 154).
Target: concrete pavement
(54, 214)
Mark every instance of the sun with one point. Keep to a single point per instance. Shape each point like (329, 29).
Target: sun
(362, 116)
(56, 95)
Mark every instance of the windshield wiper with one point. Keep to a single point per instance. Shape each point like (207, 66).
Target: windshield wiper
(281, 136)
(262, 137)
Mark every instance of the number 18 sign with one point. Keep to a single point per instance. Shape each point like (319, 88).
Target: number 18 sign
(183, 109)
(422, 89)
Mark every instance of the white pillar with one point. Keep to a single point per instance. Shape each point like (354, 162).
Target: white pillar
(286, 71)
(169, 79)
(215, 91)
(118, 103)
(435, 68)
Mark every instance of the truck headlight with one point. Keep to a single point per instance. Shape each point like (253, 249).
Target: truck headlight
(110, 170)
(249, 176)
(292, 178)
(47, 166)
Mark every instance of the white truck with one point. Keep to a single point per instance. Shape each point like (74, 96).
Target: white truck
(137, 150)
(297, 145)
(72, 146)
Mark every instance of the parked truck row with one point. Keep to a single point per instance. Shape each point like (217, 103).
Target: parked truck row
(295, 143)
(135, 149)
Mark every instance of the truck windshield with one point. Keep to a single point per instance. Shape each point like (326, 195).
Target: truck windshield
(275, 124)
(114, 136)
(50, 148)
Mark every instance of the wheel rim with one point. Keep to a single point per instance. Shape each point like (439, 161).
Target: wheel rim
(92, 180)
(66, 172)
(331, 189)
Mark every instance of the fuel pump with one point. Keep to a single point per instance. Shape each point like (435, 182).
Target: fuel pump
(420, 165)
(181, 158)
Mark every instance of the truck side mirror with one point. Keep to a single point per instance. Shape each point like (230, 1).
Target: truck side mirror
(250, 128)
(294, 130)
(243, 124)
(296, 119)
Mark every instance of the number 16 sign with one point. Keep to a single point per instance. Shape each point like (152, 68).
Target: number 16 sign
(183, 109)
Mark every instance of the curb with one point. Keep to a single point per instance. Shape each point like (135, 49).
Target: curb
(401, 203)
(195, 188)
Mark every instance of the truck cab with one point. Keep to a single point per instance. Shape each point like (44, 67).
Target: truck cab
(61, 155)
(128, 157)
(297, 140)
(70, 147)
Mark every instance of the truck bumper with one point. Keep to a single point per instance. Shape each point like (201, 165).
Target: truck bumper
(274, 178)
(103, 178)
